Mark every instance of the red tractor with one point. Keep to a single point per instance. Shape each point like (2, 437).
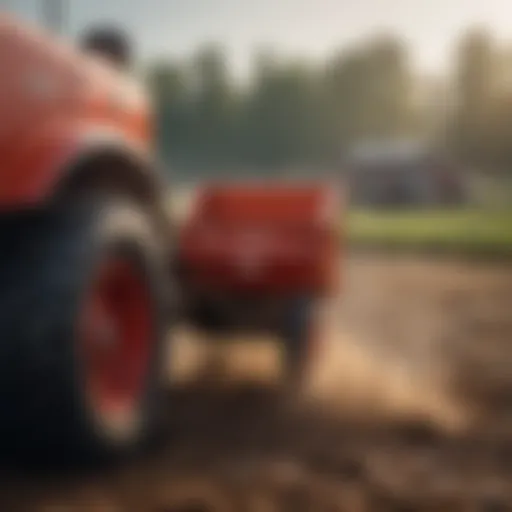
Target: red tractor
(93, 271)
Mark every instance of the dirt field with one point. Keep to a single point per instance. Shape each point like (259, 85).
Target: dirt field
(408, 409)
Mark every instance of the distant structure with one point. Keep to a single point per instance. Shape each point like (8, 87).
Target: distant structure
(400, 173)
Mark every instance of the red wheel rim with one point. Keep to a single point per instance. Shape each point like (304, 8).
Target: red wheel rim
(116, 335)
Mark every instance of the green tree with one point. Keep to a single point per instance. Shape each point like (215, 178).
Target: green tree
(168, 84)
(370, 91)
(213, 108)
(282, 114)
(388, 89)
(475, 73)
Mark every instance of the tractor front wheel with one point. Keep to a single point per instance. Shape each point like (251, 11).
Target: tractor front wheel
(83, 303)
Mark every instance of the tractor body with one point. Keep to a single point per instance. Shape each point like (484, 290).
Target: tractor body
(91, 263)
(60, 109)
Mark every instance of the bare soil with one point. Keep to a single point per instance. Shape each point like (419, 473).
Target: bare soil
(408, 408)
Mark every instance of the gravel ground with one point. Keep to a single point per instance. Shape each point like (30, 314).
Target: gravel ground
(407, 409)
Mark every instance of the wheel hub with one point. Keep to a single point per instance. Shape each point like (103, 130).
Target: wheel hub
(116, 338)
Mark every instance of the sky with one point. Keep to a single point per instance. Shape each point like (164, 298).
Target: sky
(310, 28)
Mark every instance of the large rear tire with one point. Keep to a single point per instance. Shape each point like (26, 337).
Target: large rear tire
(83, 303)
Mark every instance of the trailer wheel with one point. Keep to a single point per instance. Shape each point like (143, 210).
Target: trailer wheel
(299, 335)
(82, 318)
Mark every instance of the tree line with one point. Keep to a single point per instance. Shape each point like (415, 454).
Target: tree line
(296, 114)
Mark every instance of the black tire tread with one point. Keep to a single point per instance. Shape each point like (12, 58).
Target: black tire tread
(45, 258)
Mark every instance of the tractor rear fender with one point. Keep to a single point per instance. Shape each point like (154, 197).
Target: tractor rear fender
(70, 156)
